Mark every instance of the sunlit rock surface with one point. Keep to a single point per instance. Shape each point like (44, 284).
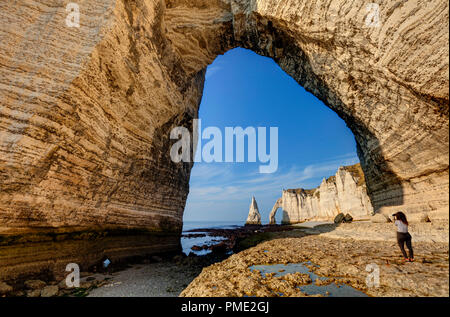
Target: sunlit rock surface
(344, 253)
(86, 112)
(254, 217)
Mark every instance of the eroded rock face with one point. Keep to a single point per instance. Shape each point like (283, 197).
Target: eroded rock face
(86, 112)
(254, 217)
(274, 210)
(344, 193)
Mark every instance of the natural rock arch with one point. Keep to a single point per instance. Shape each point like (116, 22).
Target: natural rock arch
(86, 112)
(273, 212)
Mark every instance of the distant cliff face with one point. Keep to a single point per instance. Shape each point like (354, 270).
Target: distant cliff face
(345, 192)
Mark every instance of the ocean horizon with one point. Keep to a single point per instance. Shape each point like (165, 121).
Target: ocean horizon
(211, 224)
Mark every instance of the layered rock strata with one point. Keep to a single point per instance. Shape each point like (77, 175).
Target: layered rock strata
(86, 112)
(344, 193)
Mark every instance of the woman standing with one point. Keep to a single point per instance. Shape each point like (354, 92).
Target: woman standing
(403, 235)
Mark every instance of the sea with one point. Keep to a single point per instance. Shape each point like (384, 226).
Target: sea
(191, 225)
(197, 226)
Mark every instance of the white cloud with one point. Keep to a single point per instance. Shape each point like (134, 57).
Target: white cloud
(222, 182)
(211, 70)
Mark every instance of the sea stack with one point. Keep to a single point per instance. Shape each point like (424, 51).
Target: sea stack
(254, 218)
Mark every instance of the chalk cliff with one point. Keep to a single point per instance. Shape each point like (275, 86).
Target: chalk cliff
(86, 112)
(254, 217)
(344, 192)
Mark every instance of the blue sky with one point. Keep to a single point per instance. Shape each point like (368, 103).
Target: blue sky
(247, 90)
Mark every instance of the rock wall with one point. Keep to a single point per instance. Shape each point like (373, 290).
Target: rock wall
(343, 193)
(86, 112)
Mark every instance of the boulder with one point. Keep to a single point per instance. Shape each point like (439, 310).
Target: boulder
(439, 215)
(35, 284)
(88, 284)
(49, 291)
(34, 293)
(5, 289)
(219, 248)
(196, 248)
(63, 285)
(418, 217)
(348, 218)
(17, 293)
(339, 218)
(156, 258)
(179, 257)
(380, 218)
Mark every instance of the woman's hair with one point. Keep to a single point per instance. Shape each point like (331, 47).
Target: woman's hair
(402, 217)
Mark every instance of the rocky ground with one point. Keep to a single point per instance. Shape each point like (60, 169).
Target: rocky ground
(166, 278)
(341, 255)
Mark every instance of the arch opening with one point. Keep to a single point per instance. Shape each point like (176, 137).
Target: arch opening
(245, 90)
(333, 66)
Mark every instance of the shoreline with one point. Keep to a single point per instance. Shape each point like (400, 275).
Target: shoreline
(94, 276)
